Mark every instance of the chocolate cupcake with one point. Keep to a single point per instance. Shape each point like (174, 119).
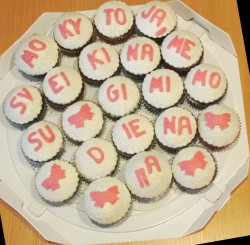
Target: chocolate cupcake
(148, 175)
(62, 86)
(175, 128)
(37, 55)
(56, 181)
(82, 120)
(205, 84)
(42, 142)
(161, 89)
(218, 126)
(181, 50)
(119, 96)
(132, 134)
(72, 32)
(156, 20)
(23, 106)
(98, 62)
(194, 168)
(139, 56)
(114, 22)
(106, 201)
(96, 158)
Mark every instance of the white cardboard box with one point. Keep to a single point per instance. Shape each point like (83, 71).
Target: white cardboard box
(180, 215)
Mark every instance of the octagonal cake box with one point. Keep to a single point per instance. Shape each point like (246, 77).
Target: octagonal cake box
(180, 215)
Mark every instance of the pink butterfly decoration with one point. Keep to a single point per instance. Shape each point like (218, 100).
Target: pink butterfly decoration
(189, 166)
(52, 183)
(221, 120)
(101, 197)
(79, 118)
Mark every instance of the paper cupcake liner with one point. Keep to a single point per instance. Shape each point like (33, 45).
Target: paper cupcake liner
(202, 105)
(217, 148)
(115, 118)
(75, 52)
(81, 177)
(119, 170)
(158, 40)
(69, 52)
(182, 71)
(97, 83)
(128, 155)
(134, 77)
(38, 164)
(115, 169)
(173, 150)
(152, 109)
(132, 111)
(78, 143)
(156, 111)
(40, 116)
(105, 127)
(117, 40)
(122, 154)
(147, 200)
(32, 78)
(139, 78)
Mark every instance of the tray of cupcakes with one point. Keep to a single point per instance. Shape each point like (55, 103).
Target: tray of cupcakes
(121, 120)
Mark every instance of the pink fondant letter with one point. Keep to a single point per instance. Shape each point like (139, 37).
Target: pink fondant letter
(24, 94)
(96, 153)
(132, 129)
(66, 32)
(114, 94)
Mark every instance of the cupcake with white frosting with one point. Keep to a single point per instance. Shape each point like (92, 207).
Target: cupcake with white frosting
(96, 158)
(194, 168)
(24, 105)
(175, 128)
(62, 86)
(72, 32)
(57, 181)
(156, 20)
(218, 126)
(97, 62)
(139, 56)
(82, 120)
(161, 89)
(148, 175)
(119, 96)
(181, 50)
(132, 134)
(205, 84)
(42, 142)
(114, 22)
(106, 201)
(37, 55)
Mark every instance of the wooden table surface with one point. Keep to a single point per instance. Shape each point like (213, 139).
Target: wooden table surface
(233, 220)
